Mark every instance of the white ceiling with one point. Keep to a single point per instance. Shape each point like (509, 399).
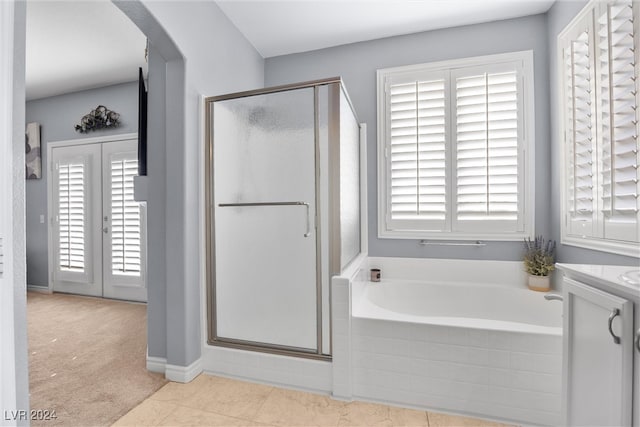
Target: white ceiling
(83, 44)
(280, 27)
(77, 45)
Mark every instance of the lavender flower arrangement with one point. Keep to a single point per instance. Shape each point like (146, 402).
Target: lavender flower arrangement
(539, 256)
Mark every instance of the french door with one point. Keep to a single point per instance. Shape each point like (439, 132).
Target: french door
(99, 239)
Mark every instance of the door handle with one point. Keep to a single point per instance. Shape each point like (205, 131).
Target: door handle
(305, 204)
(614, 313)
(638, 339)
(308, 233)
(105, 230)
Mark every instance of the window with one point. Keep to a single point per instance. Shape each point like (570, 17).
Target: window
(125, 218)
(455, 149)
(73, 232)
(599, 52)
(71, 216)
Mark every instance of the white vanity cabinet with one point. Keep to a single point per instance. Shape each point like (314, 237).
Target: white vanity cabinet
(601, 361)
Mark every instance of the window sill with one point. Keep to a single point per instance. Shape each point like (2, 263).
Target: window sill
(418, 235)
(618, 248)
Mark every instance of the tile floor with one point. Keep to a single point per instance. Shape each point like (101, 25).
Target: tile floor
(216, 401)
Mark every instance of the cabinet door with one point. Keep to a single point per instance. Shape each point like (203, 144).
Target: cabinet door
(597, 357)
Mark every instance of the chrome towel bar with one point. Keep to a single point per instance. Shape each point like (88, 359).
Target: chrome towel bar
(477, 243)
(305, 204)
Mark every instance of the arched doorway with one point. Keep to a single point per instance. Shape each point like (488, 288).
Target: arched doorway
(169, 128)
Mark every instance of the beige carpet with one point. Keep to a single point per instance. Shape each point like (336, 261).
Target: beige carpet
(87, 358)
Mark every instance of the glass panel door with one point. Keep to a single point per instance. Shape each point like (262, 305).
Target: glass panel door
(99, 231)
(264, 220)
(76, 220)
(123, 220)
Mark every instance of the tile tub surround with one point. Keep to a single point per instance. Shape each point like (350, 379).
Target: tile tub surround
(477, 367)
(494, 374)
(509, 273)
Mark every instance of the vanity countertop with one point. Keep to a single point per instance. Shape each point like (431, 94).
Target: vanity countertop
(620, 278)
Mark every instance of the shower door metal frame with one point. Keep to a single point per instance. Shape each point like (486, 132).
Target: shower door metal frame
(212, 336)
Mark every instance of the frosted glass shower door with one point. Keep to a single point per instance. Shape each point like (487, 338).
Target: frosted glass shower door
(264, 220)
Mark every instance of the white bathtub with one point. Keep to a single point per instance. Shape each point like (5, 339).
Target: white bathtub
(490, 351)
(491, 307)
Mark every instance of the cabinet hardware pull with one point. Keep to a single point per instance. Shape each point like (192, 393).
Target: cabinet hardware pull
(638, 339)
(615, 312)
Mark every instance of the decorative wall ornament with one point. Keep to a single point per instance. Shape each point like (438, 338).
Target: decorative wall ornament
(100, 118)
(33, 158)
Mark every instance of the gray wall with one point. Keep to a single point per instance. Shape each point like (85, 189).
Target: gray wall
(156, 201)
(213, 58)
(558, 17)
(57, 116)
(357, 64)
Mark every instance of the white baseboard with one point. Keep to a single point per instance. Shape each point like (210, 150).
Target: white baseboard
(183, 374)
(176, 373)
(40, 289)
(156, 364)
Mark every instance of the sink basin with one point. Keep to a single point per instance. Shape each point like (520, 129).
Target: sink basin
(631, 277)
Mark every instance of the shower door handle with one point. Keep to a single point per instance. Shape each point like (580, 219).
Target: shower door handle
(305, 204)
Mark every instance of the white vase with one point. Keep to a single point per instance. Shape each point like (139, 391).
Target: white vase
(539, 283)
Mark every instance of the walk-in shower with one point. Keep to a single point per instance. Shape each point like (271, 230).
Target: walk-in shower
(283, 214)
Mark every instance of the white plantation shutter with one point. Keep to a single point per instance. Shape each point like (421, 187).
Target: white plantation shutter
(618, 104)
(432, 149)
(417, 151)
(487, 135)
(454, 147)
(600, 98)
(71, 217)
(580, 133)
(125, 219)
(582, 127)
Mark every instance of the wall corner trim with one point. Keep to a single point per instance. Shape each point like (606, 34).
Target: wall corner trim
(156, 364)
(176, 373)
(182, 374)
